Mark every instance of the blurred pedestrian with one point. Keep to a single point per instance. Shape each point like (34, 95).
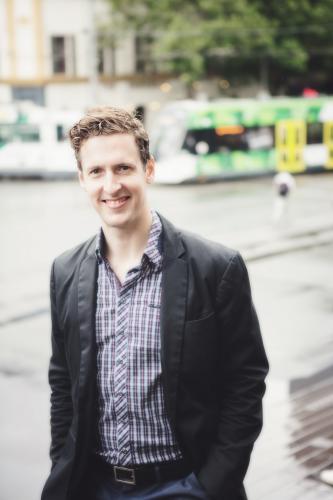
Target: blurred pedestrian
(283, 183)
(157, 369)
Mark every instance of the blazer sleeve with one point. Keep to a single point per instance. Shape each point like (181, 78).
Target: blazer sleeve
(242, 376)
(59, 380)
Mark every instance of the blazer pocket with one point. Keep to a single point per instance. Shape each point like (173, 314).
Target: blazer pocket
(200, 349)
(204, 317)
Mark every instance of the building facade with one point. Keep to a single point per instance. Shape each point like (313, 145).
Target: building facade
(51, 53)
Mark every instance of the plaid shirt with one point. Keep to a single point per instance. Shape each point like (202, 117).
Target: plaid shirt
(133, 426)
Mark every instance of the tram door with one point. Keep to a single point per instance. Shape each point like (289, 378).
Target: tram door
(290, 139)
(328, 141)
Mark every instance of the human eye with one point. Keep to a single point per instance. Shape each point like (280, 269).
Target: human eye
(124, 168)
(95, 171)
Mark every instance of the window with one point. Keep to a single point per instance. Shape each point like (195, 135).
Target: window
(63, 55)
(61, 133)
(230, 138)
(106, 60)
(22, 132)
(315, 133)
(144, 54)
(215, 142)
(167, 135)
(283, 136)
(167, 143)
(33, 94)
(297, 137)
(100, 60)
(260, 138)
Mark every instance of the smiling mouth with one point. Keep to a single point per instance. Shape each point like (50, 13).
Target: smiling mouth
(116, 203)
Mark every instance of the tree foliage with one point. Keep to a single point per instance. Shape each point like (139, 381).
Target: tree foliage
(196, 38)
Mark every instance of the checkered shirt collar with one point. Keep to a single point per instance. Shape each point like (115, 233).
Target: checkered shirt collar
(153, 250)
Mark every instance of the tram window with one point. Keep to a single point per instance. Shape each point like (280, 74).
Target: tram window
(167, 141)
(233, 142)
(223, 140)
(193, 137)
(260, 138)
(283, 135)
(284, 157)
(297, 136)
(314, 133)
(22, 132)
(61, 133)
(26, 132)
(6, 133)
(217, 142)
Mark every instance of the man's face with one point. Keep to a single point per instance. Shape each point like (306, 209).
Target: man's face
(114, 178)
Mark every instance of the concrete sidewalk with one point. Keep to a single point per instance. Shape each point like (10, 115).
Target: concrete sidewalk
(296, 443)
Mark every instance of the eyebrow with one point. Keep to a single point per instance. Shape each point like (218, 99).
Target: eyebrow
(120, 164)
(92, 167)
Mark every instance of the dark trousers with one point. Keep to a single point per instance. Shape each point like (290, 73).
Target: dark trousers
(104, 487)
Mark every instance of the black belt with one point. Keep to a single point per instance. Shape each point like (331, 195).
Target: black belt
(144, 474)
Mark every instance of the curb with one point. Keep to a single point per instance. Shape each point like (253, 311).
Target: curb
(290, 243)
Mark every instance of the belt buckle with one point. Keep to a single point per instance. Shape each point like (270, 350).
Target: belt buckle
(124, 475)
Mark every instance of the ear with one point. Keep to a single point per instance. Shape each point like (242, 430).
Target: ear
(150, 170)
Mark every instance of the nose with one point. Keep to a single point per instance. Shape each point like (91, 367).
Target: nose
(111, 183)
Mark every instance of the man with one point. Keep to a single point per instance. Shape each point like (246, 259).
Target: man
(157, 368)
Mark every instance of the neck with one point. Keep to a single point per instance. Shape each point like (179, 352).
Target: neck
(128, 244)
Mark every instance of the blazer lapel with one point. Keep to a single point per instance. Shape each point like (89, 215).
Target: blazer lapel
(87, 284)
(173, 309)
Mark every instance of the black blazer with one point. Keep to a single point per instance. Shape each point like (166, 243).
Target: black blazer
(213, 363)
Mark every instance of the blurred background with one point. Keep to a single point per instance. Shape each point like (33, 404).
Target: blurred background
(237, 98)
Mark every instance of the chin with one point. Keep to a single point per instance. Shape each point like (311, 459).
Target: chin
(116, 222)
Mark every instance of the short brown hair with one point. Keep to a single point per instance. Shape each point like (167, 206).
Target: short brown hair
(108, 120)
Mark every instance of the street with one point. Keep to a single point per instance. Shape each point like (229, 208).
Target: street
(292, 290)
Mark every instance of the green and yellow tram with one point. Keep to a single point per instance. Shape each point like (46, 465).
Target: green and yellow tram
(242, 137)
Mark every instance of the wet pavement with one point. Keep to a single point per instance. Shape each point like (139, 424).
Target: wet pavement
(292, 279)
(296, 443)
(293, 293)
